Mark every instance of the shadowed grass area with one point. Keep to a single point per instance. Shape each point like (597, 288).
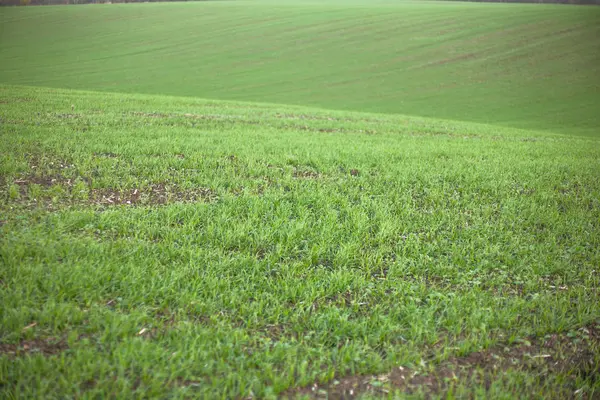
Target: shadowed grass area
(527, 66)
(176, 247)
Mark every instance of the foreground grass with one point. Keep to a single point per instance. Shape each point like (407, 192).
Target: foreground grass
(156, 246)
(530, 66)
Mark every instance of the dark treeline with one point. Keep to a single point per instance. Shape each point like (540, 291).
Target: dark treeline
(61, 2)
(582, 2)
(58, 2)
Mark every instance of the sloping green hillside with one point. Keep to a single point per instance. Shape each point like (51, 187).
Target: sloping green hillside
(163, 247)
(528, 66)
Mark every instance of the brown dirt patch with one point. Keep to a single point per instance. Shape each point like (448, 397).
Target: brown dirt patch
(571, 353)
(16, 100)
(36, 160)
(68, 116)
(46, 347)
(185, 115)
(156, 194)
(328, 130)
(305, 174)
(308, 117)
(44, 180)
(147, 114)
(296, 127)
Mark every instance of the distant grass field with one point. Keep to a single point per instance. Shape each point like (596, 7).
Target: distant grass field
(527, 66)
(165, 247)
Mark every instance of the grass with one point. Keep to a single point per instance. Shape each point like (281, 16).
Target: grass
(526, 66)
(157, 246)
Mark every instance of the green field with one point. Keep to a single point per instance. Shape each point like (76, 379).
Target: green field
(183, 247)
(299, 199)
(527, 66)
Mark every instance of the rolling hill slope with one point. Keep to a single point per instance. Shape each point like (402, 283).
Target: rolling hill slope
(527, 66)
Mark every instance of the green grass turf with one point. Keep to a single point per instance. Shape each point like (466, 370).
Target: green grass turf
(527, 66)
(266, 248)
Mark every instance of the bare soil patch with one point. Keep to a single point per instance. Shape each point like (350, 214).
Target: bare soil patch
(305, 174)
(44, 181)
(571, 353)
(155, 194)
(16, 100)
(46, 347)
